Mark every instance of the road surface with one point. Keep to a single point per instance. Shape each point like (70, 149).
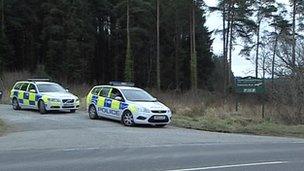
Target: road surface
(62, 141)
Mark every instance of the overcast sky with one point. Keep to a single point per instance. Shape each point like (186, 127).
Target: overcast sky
(240, 66)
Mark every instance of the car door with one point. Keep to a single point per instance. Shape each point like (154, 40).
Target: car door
(92, 97)
(113, 104)
(23, 96)
(32, 94)
(102, 102)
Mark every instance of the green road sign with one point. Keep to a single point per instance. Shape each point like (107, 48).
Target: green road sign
(250, 85)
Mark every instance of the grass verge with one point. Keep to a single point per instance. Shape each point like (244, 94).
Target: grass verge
(238, 124)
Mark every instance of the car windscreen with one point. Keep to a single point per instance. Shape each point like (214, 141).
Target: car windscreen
(137, 95)
(50, 88)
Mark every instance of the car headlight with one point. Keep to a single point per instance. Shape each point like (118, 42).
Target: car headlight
(77, 100)
(143, 110)
(53, 100)
(169, 112)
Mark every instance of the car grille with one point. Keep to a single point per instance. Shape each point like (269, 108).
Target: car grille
(68, 101)
(159, 111)
(152, 120)
(66, 107)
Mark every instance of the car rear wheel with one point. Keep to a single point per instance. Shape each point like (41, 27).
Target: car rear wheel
(127, 119)
(41, 107)
(93, 112)
(15, 104)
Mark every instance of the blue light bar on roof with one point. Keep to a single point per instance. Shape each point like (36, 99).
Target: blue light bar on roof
(119, 83)
(38, 79)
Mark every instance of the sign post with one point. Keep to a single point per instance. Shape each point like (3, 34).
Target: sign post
(249, 85)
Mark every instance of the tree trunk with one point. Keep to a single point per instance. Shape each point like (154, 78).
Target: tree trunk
(224, 49)
(228, 48)
(129, 61)
(294, 34)
(273, 60)
(158, 50)
(230, 52)
(229, 26)
(2, 18)
(2, 37)
(177, 46)
(257, 51)
(193, 62)
(190, 32)
(230, 45)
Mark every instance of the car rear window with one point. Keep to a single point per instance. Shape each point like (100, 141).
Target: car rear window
(24, 86)
(104, 91)
(96, 90)
(18, 86)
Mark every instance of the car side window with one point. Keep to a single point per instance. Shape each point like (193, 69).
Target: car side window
(104, 92)
(32, 87)
(114, 93)
(24, 86)
(96, 90)
(18, 86)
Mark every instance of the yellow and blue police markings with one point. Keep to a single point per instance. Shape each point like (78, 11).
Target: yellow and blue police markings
(26, 98)
(110, 106)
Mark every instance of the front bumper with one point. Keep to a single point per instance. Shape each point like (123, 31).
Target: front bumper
(62, 106)
(148, 118)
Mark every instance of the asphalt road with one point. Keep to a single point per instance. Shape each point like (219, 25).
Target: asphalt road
(62, 141)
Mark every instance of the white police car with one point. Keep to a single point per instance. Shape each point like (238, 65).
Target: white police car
(128, 104)
(42, 95)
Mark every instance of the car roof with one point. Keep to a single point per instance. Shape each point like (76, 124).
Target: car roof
(36, 82)
(43, 82)
(120, 87)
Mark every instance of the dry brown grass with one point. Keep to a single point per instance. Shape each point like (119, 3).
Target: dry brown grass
(212, 112)
(202, 103)
(8, 80)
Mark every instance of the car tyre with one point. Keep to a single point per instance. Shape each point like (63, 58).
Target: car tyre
(127, 119)
(93, 112)
(41, 107)
(15, 104)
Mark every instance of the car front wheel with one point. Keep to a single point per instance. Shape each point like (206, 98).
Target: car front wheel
(41, 107)
(127, 119)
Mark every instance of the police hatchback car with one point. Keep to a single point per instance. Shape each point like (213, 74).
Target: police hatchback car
(128, 104)
(42, 95)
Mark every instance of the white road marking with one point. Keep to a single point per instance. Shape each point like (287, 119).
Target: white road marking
(231, 166)
(79, 149)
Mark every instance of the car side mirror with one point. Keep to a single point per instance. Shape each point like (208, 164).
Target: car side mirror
(33, 91)
(67, 90)
(155, 99)
(118, 98)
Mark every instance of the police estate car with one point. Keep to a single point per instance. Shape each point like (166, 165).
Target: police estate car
(128, 104)
(42, 95)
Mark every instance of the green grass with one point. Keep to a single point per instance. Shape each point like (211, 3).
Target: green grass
(2, 127)
(238, 124)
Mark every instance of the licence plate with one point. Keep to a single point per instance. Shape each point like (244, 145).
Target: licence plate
(159, 117)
